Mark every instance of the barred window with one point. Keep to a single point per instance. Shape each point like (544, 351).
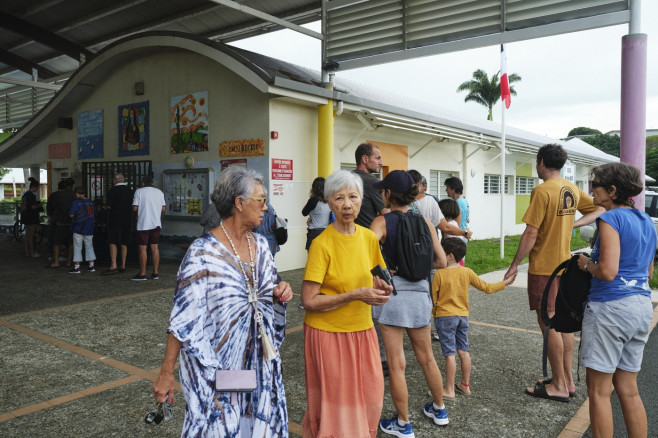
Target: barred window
(492, 184)
(524, 185)
(437, 182)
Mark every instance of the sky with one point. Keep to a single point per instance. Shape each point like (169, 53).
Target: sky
(568, 80)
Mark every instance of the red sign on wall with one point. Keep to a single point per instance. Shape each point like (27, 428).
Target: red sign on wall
(281, 169)
(59, 150)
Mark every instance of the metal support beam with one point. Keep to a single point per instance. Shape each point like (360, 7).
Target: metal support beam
(31, 84)
(425, 145)
(24, 65)
(267, 17)
(43, 36)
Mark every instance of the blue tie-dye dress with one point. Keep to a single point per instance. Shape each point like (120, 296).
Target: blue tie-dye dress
(213, 319)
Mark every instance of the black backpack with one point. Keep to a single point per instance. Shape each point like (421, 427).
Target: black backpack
(569, 302)
(414, 248)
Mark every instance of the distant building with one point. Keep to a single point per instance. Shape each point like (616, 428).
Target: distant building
(650, 132)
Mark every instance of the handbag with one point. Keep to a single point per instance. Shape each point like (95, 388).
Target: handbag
(235, 381)
(281, 230)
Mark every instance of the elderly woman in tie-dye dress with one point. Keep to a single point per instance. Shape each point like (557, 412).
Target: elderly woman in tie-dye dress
(213, 322)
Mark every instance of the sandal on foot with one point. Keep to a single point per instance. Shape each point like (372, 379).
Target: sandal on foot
(550, 380)
(457, 388)
(540, 392)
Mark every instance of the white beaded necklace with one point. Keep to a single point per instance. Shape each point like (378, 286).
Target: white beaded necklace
(269, 352)
(251, 288)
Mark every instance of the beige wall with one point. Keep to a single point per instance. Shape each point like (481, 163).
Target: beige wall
(236, 111)
(297, 126)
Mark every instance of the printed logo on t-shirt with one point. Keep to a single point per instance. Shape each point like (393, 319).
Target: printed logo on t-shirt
(567, 202)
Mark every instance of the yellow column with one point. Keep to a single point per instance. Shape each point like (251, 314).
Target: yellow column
(326, 139)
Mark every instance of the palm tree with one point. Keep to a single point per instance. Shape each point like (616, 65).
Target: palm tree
(484, 91)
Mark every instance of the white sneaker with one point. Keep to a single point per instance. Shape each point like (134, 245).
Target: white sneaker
(36, 254)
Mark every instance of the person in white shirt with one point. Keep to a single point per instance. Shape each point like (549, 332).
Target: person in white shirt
(429, 208)
(148, 204)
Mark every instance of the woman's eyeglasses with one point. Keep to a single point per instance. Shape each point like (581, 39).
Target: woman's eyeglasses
(262, 199)
(593, 184)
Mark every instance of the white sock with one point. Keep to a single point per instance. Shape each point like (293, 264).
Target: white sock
(402, 422)
(437, 406)
(91, 264)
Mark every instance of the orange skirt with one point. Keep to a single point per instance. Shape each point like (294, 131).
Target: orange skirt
(344, 384)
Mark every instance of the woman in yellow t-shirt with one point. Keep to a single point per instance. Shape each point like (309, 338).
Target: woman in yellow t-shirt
(344, 379)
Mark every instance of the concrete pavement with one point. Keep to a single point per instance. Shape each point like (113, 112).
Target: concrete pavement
(79, 352)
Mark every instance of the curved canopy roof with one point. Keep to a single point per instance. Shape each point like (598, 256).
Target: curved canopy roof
(375, 108)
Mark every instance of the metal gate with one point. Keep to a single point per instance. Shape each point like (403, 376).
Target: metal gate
(98, 178)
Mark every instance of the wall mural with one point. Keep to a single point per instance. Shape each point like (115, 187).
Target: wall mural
(90, 134)
(189, 123)
(134, 129)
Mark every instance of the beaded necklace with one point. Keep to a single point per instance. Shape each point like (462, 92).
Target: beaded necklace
(251, 288)
(269, 352)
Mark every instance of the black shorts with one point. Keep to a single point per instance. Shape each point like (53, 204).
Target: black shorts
(148, 237)
(63, 235)
(119, 235)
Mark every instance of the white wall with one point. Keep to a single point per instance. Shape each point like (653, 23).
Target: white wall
(297, 127)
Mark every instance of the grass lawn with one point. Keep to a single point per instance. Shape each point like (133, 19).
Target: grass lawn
(484, 255)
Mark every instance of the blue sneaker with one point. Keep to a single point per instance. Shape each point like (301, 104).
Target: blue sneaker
(440, 416)
(392, 427)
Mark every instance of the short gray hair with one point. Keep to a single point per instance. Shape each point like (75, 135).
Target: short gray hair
(233, 182)
(341, 179)
(119, 177)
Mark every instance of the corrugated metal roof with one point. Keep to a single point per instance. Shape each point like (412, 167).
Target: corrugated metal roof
(361, 33)
(51, 34)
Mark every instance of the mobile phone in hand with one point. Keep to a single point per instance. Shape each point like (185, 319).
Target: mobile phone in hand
(382, 273)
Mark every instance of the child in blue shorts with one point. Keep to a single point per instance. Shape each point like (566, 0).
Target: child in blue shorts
(450, 296)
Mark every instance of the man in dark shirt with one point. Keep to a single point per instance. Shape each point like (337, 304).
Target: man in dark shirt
(60, 213)
(369, 160)
(119, 205)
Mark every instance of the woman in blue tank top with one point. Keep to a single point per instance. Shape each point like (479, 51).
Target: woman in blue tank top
(618, 312)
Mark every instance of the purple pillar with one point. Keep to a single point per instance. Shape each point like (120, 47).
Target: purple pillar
(633, 104)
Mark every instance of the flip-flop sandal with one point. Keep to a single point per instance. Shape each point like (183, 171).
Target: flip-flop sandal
(550, 380)
(457, 388)
(540, 392)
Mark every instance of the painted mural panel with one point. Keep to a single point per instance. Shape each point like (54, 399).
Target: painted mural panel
(90, 134)
(189, 123)
(134, 129)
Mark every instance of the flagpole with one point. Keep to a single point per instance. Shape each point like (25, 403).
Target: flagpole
(502, 182)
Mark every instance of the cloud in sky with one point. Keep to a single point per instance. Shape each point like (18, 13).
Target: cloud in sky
(568, 80)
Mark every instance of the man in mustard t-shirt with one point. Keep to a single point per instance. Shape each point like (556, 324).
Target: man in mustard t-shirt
(549, 224)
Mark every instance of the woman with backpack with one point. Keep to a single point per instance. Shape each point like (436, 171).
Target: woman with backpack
(410, 310)
(618, 313)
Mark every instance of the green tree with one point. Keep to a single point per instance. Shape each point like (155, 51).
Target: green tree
(652, 142)
(651, 163)
(582, 130)
(486, 91)
(604, 142)
(3, 172)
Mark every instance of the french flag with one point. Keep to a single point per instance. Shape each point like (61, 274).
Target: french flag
(505, 95)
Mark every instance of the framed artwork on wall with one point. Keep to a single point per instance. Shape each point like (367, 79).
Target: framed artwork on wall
(188, 118)
(90, 134)
(134, 129)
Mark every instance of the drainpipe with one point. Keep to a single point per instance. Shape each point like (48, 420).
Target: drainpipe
(633, 97)
(326, 130)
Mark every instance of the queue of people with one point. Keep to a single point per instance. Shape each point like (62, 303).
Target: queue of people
(229, 308)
